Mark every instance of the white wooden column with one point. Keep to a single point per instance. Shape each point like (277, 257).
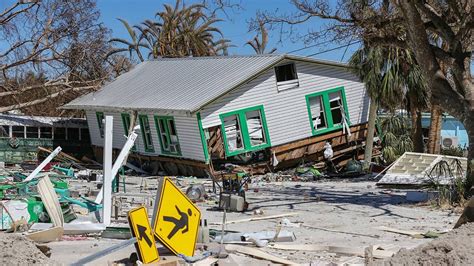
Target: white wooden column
(107, 177)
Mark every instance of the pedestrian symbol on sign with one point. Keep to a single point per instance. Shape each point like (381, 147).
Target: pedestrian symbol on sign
(180, 223)
(176, 219)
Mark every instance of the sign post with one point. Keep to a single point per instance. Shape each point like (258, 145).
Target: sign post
(141, 230)
(176, 219)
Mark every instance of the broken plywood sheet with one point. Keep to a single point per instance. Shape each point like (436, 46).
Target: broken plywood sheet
(48, 235)
(414, 169)
(50, 200)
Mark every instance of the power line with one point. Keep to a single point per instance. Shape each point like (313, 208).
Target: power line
(332, 49)
(307, 47)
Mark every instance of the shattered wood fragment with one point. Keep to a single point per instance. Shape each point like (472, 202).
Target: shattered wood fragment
(258, 218)
(254, 252)
(355, 251)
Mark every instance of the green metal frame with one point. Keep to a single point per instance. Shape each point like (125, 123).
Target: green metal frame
(203, 138)
(167, 129)
(327, 110)
(148, 146)
(100, 116)
(126, 125)
(244, 130)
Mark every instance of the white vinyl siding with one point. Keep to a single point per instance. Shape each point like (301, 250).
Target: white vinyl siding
(286, 111)
(186, 126)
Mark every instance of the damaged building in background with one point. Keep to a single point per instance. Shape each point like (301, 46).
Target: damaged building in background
(195, 114)
(21, 135)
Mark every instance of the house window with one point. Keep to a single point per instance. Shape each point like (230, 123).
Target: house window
(233, 133)
(335, 103)
(18, 131)
(318, 116)
(146, 133)
(85, 134)
(73, 133)
(327, 110)
(46, 132)
(4, 131)
(60, 133)
(32, 132)
(286, 76)
(245, 130)
(126, 125)
(168, 135)
(100, 122)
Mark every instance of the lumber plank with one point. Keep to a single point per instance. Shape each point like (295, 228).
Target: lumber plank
(353, 251)
(338, 231)
(259, 218)
(254, 252)
(50, 199)
(316, 139)
(402, 232)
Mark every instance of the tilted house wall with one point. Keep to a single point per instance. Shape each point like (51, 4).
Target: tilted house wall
(286, 111)
(186, 126)
(211, 88)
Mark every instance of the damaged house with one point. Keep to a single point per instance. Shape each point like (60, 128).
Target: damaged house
(269, 111)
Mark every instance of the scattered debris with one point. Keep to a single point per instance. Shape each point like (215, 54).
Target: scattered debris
(453, 248)
(416, 169)
(254, 252)
(259, 218)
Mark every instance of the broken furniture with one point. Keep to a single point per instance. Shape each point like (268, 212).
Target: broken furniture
(415, 170)
(231, 190)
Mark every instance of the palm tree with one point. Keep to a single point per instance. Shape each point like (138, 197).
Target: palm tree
(178, 31)
(259, 45)
(188, 31)
(130, 46)
(391, 76)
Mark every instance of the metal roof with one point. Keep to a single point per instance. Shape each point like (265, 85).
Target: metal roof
(184, 84)
(41, 121)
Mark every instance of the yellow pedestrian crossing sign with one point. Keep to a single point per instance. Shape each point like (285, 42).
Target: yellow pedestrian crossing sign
(141, 230)
(177, 219)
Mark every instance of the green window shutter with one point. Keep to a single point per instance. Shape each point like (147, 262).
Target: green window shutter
(146, 133)
(126, 125)
(167, 135)
(258, 130)
(100, 122)
(203, 138)
(330, 123)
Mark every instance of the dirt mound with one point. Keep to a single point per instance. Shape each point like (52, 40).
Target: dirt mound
(19, 250)
(453, 248)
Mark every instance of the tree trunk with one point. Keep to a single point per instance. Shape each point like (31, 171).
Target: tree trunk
(369, 143)
(416, 130)
(468, 213)
(434, 135)
(470, 157)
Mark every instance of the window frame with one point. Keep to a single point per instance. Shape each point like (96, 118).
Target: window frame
(166, 120)
(9, 132)
(100, 118)
(242, 120)
(13, 131)
(327, 110)
(287, 84)
(148, 146)
(126, 125)
(46, 133)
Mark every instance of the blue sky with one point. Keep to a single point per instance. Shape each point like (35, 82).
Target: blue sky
(235, 27)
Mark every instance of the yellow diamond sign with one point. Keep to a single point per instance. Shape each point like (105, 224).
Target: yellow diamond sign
(141, 229)
(177, 219)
